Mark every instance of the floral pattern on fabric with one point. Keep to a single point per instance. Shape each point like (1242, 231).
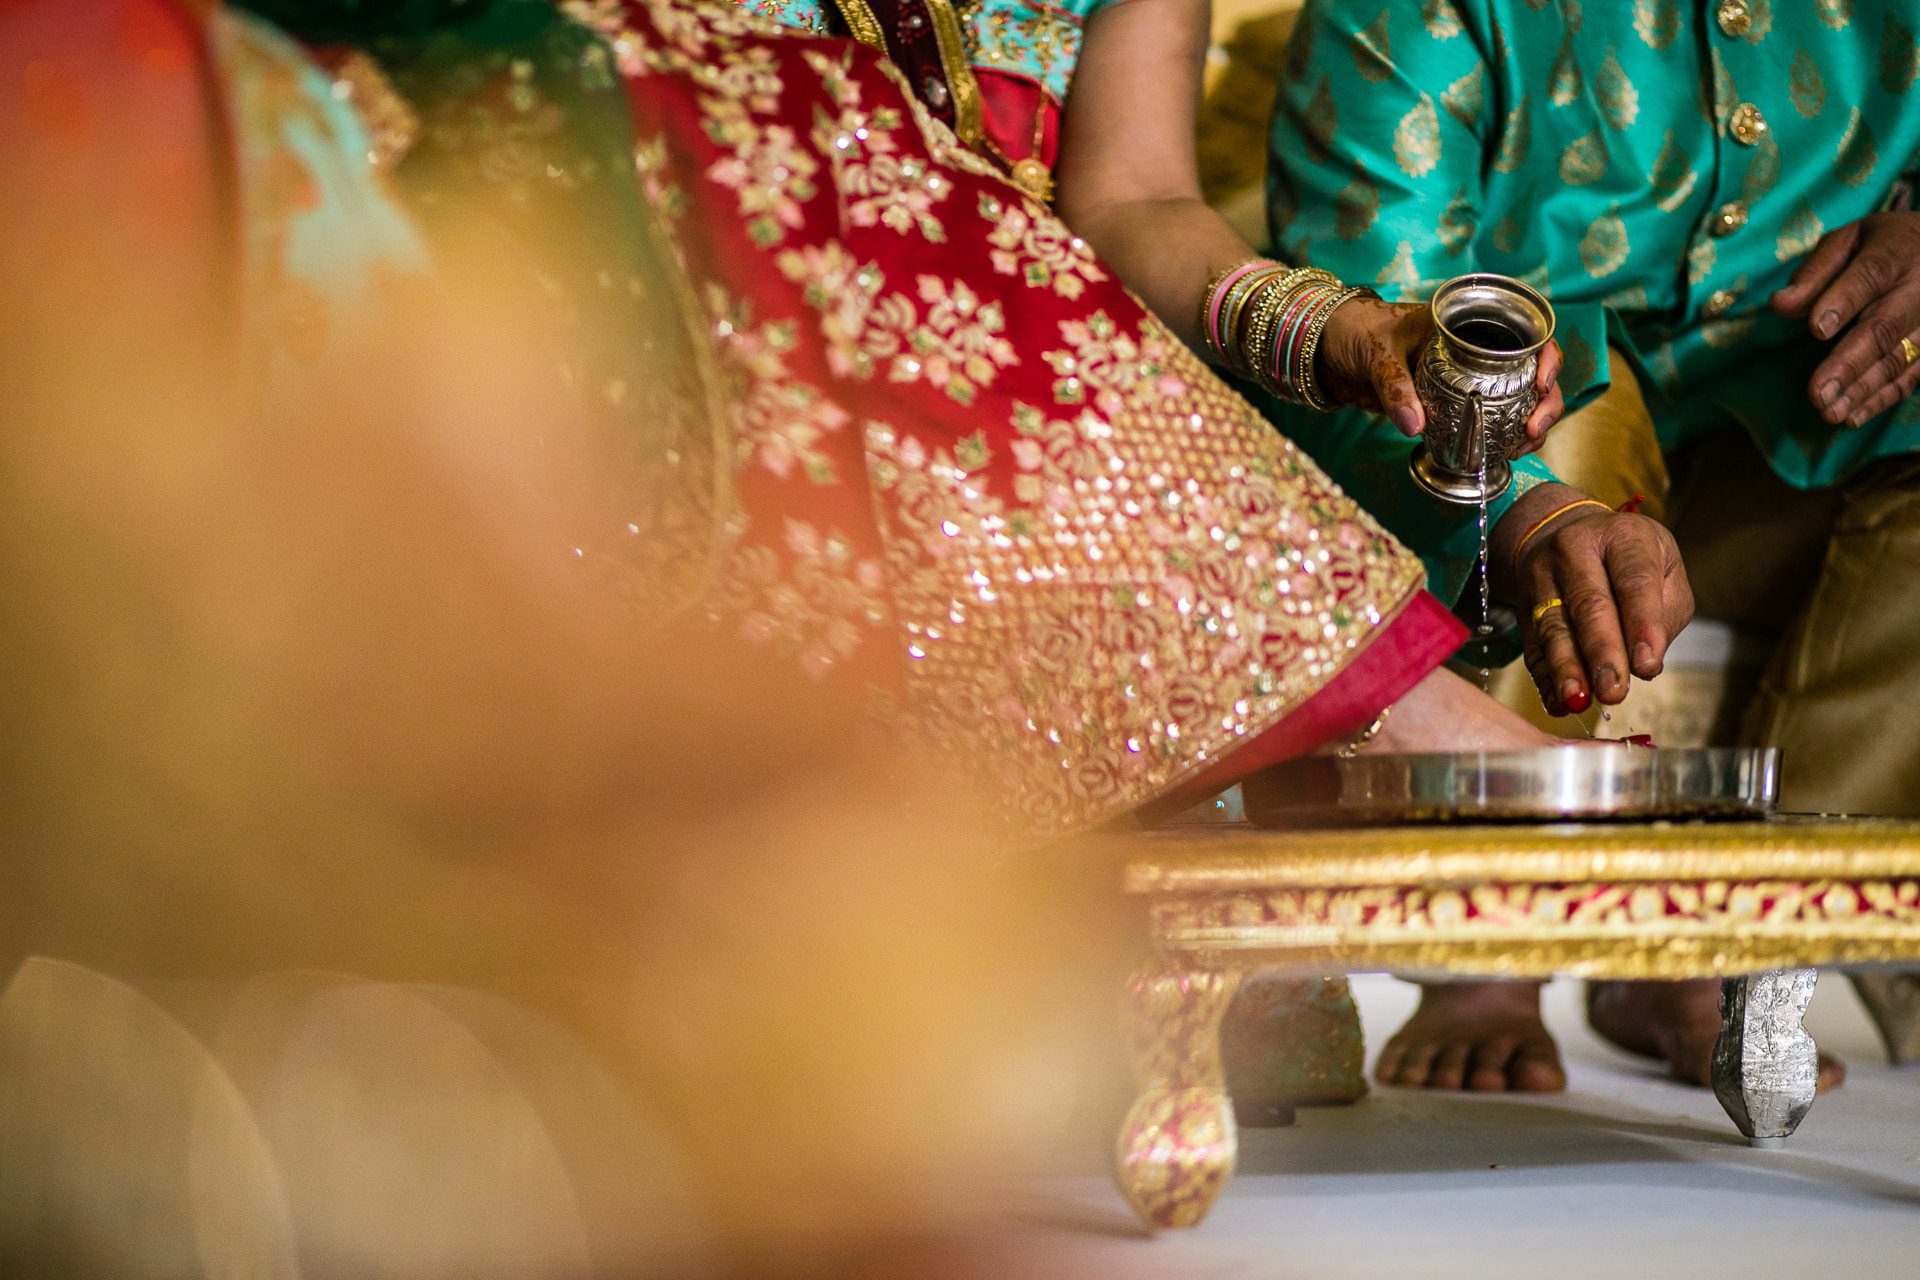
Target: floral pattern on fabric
(977, 481)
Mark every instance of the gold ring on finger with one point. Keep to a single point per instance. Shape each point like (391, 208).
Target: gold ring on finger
(1545, 607)
(1908, 350)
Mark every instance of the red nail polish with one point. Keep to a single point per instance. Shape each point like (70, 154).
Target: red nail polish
(1578, 700)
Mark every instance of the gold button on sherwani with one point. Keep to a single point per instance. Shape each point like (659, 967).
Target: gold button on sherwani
(1728, 218)
(1747, 124)
(1718, 303)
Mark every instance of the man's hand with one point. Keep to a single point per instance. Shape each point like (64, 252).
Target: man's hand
(1366, 359)
(1621, 583)
(1867, 275)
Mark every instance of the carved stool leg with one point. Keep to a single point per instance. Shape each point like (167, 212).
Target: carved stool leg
(1764, 1063)
(1177, 1147)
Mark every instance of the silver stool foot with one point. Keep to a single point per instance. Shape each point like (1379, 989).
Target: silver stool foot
(1765, 1065)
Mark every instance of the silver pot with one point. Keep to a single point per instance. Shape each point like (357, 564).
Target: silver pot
(1476, 380)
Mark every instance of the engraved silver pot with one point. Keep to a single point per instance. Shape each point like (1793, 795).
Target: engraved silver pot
(1476, 380)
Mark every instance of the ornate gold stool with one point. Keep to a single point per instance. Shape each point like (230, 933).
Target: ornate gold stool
(1756, 903)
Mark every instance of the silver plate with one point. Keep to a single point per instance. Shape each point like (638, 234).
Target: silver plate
(1574, 782)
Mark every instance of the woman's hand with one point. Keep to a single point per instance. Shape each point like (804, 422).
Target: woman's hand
(1366, 359)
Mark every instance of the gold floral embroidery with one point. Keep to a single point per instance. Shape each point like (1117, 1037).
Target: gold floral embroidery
(770, 171)
(879, 185)
(821, 602)
(1036, 246)
(781, 420)
(1091, 598)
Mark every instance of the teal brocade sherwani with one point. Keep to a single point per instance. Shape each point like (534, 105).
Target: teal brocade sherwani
(1657, 168)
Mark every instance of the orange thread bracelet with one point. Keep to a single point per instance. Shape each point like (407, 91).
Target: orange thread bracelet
(1551, 516)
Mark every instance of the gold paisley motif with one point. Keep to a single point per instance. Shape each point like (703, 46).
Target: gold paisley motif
(1657, 21)
(1400, 279)
(1356, 208)
(1604, 248)
(1806, 87)
(1442, 22)
(1516, 138)
(1373, 50)
(1538, 280)
(1801, 231)
(1759, 21)
(1563, 82)
(1702, 256)
(1416, 139)
(1899, 58)
(1835, 13)
(1632, 299)
(1619, 100)
(1763, 171)
(1508, 234)
(1854, 163)
(1673, 178)
(1584, 161)
(1536, 4)
(1726, 96)
(1574, 13)
(1466, 97)
(1322, 119)
(1457, 223)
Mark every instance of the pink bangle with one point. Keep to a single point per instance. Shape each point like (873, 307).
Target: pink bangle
(1218, 293)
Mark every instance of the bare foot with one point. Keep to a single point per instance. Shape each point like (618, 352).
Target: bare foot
(1676, 1022)
(1484, 1036)
(1445, 713)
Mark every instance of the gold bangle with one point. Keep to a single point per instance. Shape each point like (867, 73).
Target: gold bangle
(1234, 308)
(1256, 348)
(1278, 302)
(1366, 735)
(1551, 516)
(1310, 348)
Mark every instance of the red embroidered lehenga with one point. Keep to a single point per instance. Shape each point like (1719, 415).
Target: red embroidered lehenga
(973, 475)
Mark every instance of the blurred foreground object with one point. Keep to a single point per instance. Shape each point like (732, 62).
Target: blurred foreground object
(314, 683)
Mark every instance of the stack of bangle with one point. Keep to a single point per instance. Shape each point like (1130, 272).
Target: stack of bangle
(1264, 320)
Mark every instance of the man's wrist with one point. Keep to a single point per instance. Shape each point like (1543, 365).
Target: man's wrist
(1503, 544)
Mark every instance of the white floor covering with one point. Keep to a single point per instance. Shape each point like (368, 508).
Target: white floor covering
(1624, 1175)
